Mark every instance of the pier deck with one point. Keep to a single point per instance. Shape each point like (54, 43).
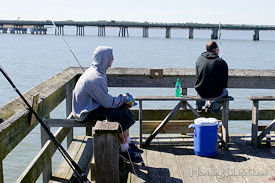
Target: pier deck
(172, 159)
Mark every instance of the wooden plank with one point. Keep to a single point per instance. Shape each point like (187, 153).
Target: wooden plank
(83, 157)
(63, 168)
(254, 129)
(184, 160)
(234, 114)
(140, 77)
(166, 120)
(69, 97)
(155, 171)
(169, 161)
(141, 172)
(174, 126)
(106, 152)
(34, 106)
(37, 165)
(254, 161)
(184, 98)
(263, 127)
(140, 123)
(266, 131)
(1, 172)
(261, 98)
(47, 173)
(68, 123)
(225, 113)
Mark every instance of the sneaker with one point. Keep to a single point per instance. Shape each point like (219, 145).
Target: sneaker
(134, 157)
(199, 109)
(133, 146)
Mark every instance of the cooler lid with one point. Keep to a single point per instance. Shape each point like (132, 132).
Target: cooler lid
(206, 121)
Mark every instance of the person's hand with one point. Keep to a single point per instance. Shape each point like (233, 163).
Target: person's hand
(130, 100)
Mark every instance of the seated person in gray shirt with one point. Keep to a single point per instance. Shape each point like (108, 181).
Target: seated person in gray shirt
(91, 101)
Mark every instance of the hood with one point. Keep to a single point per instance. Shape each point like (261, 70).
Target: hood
(209, 55)
(102, 58)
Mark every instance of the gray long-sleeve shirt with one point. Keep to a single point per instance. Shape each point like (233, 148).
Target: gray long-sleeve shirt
(91, 90)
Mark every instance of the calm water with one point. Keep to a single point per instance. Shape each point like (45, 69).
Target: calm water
(31, 59)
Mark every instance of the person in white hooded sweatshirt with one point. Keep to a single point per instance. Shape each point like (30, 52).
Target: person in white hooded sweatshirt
(91, 100)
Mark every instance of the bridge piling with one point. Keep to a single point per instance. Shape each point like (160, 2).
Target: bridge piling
(123, 31)
(168, 32)
(145, 32)
(191, 33)
(101, 31)
(214, 34)
(256, 36)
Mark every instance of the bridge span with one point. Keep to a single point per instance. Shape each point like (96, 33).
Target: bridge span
(39, 27)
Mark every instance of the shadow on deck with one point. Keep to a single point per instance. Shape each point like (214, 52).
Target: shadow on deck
(172, 159)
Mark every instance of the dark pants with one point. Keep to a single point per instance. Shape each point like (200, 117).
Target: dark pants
(122, 115)
(215, 105)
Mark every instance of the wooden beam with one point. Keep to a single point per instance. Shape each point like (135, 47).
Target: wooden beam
(34, 106)
(68, 123)
(1, 172)
(254, 128)
(69, 96)
(266, 131)
(47, 173)
(234, 114)
(174, 126)
(225, 113)
(106, 152)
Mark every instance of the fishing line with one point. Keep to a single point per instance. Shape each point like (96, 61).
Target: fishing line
(68, 46)
(80, 174)
(220, 40)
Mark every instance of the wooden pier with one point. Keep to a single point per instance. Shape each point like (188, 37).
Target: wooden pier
(168, 158)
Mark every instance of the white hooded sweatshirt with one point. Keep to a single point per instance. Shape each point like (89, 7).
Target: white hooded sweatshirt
(91, 90)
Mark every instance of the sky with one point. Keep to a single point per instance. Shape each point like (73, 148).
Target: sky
(167, 11)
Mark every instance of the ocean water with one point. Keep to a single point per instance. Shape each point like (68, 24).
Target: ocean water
(31, 59)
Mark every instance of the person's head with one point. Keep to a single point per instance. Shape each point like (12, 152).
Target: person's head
(212, 46)
(103, 57)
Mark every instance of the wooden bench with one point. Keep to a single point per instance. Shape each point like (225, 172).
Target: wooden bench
(183, 101)
(255, 138)
(97, 153)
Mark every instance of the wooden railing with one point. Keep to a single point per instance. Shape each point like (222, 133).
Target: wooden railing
(16, 125)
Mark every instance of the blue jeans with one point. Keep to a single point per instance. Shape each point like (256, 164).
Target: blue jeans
(215, 105)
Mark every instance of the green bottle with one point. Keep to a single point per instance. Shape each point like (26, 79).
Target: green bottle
(178, 88)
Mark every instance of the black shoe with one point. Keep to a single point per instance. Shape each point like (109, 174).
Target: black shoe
(136, 158)
(133, 146)
(199, 109)
(207, 109)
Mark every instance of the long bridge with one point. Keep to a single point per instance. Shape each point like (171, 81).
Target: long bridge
(39, 27)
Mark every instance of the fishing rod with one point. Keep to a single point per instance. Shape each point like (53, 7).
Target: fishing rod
(220, 41)
(80, 174)
(56, 29)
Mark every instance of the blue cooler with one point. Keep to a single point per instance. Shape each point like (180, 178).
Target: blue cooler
(205, 136)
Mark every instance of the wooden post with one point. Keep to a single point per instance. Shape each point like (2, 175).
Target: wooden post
(1, 172)
(140, 123)
(34, 106)
(68, 111)
(106, 152)
(47, 173)
(225, 113)
(255, 116)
